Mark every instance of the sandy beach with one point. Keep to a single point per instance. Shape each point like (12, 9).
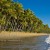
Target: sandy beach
(16, 35)
(24, 41)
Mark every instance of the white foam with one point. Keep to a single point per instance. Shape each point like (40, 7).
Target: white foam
(48, 40)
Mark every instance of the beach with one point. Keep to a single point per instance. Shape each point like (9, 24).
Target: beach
(16, 35)
(24, 41)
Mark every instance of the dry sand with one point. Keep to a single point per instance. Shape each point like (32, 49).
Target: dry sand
(15, 35)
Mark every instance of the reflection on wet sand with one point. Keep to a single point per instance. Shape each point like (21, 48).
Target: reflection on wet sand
(30, 43)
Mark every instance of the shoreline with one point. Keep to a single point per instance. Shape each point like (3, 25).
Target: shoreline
(17, 35)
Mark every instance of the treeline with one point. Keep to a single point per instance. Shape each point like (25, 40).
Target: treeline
(13, 17)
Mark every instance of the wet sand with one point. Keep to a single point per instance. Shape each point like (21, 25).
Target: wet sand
(26, 43)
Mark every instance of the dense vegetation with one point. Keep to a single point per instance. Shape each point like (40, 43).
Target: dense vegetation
(13, 17)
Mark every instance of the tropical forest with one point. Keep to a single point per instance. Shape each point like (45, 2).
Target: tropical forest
(13, 17)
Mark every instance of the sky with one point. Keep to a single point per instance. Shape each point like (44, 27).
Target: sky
(41, 8)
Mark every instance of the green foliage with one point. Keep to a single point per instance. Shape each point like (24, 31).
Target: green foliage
(13, 17)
